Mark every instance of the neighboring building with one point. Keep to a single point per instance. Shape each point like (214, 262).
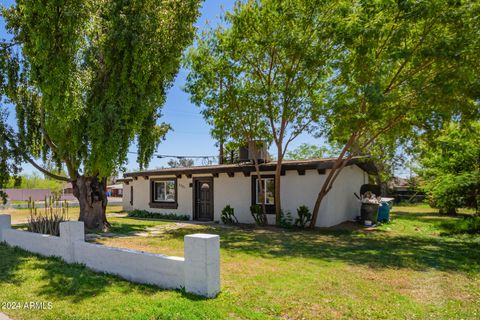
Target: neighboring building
(202, 192)
(405, 190)
(15, 194)
(115, 190)
(27, 194)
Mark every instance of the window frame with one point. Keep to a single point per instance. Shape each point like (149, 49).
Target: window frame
(269, 207)
(162, 203)
(264, 180)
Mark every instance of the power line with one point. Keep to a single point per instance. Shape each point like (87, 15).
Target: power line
(161, 156)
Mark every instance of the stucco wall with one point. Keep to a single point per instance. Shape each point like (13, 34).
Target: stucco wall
(339, 205)
(141, 196)
(234, 191)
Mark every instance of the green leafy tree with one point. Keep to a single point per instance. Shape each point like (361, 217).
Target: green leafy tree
(88, 79)
(35, 181)
(270, 56)
(216, 83)
(449, 167)
(9, 161)
(9, 156)
(400, 67)
(309, 151)
(180, 163)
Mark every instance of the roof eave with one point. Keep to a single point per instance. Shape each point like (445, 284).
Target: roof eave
(314, 165)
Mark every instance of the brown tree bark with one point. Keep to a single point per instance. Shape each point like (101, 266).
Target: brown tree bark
(90, 192)
(278, 176)
(221, 155)
(338, 166)
(259, 179)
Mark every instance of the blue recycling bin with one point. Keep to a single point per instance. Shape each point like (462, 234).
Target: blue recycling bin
(384, 211)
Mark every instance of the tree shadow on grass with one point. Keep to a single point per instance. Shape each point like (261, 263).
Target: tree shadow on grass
(11, 259)
(376, 249)
(427, 217)
(60, 280)
(124, 225)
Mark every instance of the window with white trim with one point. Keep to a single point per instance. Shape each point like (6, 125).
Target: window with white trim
(268, 196)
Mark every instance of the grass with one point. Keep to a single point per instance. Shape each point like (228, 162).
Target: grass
(125, 225)
(22, 215)
(411, 268)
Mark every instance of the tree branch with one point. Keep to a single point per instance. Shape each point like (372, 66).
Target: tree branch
(382, 130)
(45, 171)
(33, 163)
(6, 45)
(407, 59)
(380, 49)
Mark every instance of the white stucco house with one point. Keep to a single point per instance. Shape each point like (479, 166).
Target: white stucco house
(202, 192)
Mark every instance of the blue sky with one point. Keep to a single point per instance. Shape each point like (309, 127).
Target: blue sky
(191, 133)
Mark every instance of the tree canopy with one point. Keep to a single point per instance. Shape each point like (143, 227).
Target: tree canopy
(89, 77)
(401, 68)
(371, 74)
(449, 166)
(9, 156)
(181, 163)
(263, 71)
(310, 151)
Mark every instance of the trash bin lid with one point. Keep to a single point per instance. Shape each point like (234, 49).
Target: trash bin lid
(373, 188)
(383, 199)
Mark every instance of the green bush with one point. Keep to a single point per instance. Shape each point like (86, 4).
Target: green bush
(257, 214)
(286, 219)
(304, 217)
(228, 215)
(448, 167)
(156, 215)
(468, 225)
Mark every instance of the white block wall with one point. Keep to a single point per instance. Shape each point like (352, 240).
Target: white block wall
(198, 272)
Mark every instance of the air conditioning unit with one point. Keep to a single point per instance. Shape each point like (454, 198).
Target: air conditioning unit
(254, 150)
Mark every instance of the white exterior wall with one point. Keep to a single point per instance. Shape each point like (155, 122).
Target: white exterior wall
(141, 196)
(236, 192)
(338, 206)
(126, 196)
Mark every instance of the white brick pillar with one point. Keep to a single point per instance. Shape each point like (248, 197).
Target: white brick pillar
(71, 232)
(202, 264)
(5, 223)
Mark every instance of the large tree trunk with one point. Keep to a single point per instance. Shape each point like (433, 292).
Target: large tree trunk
(333, 173)
(221, 155)
(262, 189)
(278, 175)
(90, 192)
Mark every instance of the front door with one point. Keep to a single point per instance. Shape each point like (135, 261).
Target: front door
(203, 199)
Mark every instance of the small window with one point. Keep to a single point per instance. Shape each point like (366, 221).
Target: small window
(268, 196)
(131, 195)
(164, 193)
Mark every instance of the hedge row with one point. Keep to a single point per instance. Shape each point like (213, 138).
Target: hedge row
(156, 215)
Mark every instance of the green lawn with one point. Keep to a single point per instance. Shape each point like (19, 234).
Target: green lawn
(22, 215)
(408, 269)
